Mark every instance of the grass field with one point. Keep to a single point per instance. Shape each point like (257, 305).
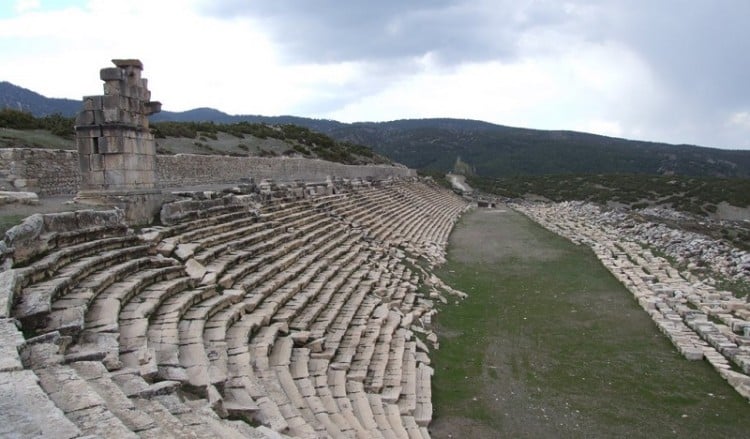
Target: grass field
(549, 344)
(9, 220)
(12, 138)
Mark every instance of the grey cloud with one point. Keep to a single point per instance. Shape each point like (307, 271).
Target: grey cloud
(700, 44)
(697, 49)
(451, 30)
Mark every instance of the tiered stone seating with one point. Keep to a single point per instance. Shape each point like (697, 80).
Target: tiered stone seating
(288, 307)
(54, 275)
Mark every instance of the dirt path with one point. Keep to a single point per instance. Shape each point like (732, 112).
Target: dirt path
(549, 344)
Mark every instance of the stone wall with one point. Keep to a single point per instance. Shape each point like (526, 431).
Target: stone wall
(44, 171)
(190, 169)
(55, 172)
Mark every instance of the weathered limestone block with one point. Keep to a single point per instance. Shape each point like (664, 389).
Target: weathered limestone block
(35, 234)
(8, 197)
(9, 288)
(10, 340)
(26, 411)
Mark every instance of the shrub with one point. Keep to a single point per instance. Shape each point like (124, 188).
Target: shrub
(20, 120)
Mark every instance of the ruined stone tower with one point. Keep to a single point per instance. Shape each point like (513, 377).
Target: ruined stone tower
(116, 149)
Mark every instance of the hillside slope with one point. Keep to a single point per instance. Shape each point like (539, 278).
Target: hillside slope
(19, 98)
(495, 150)
(22, 130)
(491, 150)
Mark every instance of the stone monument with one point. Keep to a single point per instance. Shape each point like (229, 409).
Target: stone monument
(117, 152)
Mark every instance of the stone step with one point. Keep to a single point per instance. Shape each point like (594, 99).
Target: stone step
(342, 323)
(241, 366)
(81, 403)
(35, 300)
(335, 277)
(235, 221)
(27, 411)
(163, 336)
(98, 378)
(397, 422)
(196, 418)
(362, 409)
(350, 367)
(104, 311)
(278, 382)
(86, 233)
(298, 403)
(350, 290)
(281, 353)
(213, 246)
(287, 284)
(379, 361)
(332, 261)
(134, 322)
(299, 373)
(193, 353)
(169, 236)
(285, 211)
(394, 368)
(250, 259)
(407, 399)
(193, 211)
(251, 282)
(381, 420)
(54, 261)
(412, 428)
(69, 312)
(239, 403)
(229, 325)
(423, 411)
(366, 348)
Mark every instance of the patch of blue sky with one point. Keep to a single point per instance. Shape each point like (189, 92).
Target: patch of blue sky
(13, 8)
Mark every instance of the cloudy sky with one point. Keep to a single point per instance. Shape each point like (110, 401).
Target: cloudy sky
(676, 71)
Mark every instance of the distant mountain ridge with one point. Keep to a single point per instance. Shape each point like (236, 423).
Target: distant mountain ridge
(19, 98)
(491, 150)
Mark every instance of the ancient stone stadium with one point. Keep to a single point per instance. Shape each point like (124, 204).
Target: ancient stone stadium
(265, 310)
(280, 296)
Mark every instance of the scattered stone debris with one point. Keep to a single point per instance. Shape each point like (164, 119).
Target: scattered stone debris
(9, 197)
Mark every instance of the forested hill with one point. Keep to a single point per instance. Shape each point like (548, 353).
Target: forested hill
(495, 150)
(490, 150)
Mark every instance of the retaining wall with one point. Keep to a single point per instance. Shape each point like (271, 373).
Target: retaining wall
(55, 172)
(44, 171)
